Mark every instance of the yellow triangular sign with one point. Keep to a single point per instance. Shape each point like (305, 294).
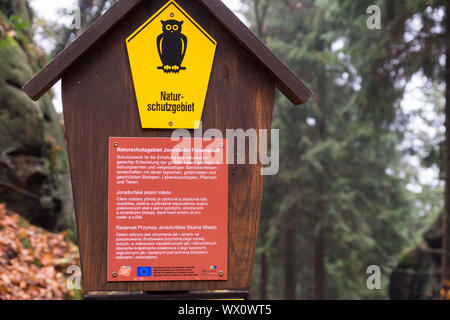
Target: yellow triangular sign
(171, 58)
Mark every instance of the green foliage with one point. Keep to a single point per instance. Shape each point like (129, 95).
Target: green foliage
(341, 169)
(12, 29)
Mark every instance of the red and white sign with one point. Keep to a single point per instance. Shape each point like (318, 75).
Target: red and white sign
(167, 220)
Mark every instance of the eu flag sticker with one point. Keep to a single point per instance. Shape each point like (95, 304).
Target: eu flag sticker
(144, 271)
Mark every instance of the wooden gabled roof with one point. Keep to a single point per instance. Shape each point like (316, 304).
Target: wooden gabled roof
(287, 81)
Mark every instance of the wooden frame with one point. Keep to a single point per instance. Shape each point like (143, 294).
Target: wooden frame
(99, 102)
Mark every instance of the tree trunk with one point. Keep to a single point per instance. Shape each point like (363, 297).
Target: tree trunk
(319, 248)
(290, 272)
(264, 277)
(319, 260)
(446, 222)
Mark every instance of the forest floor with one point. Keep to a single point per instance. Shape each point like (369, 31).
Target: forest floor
(33, 261)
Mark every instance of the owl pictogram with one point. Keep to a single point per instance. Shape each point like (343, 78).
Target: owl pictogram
(172, 46)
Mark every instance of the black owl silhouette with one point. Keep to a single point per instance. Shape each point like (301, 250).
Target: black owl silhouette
(172, 45)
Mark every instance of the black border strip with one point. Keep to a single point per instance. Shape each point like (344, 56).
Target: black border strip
(182, 11)
(194, 23)
(161, 11)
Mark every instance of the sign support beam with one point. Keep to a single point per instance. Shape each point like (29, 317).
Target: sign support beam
(171, 295)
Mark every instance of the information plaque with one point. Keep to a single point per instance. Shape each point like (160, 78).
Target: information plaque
(168, 210)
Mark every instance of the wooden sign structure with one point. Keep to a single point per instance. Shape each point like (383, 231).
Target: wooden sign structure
(106, 94)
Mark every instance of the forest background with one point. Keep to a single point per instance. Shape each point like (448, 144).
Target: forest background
(362, 175)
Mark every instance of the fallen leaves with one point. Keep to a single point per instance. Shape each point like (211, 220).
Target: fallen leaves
(33, 261)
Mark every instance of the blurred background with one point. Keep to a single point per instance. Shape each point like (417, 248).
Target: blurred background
(362, 172)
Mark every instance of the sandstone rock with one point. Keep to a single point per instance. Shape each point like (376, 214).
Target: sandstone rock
(34, 173)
